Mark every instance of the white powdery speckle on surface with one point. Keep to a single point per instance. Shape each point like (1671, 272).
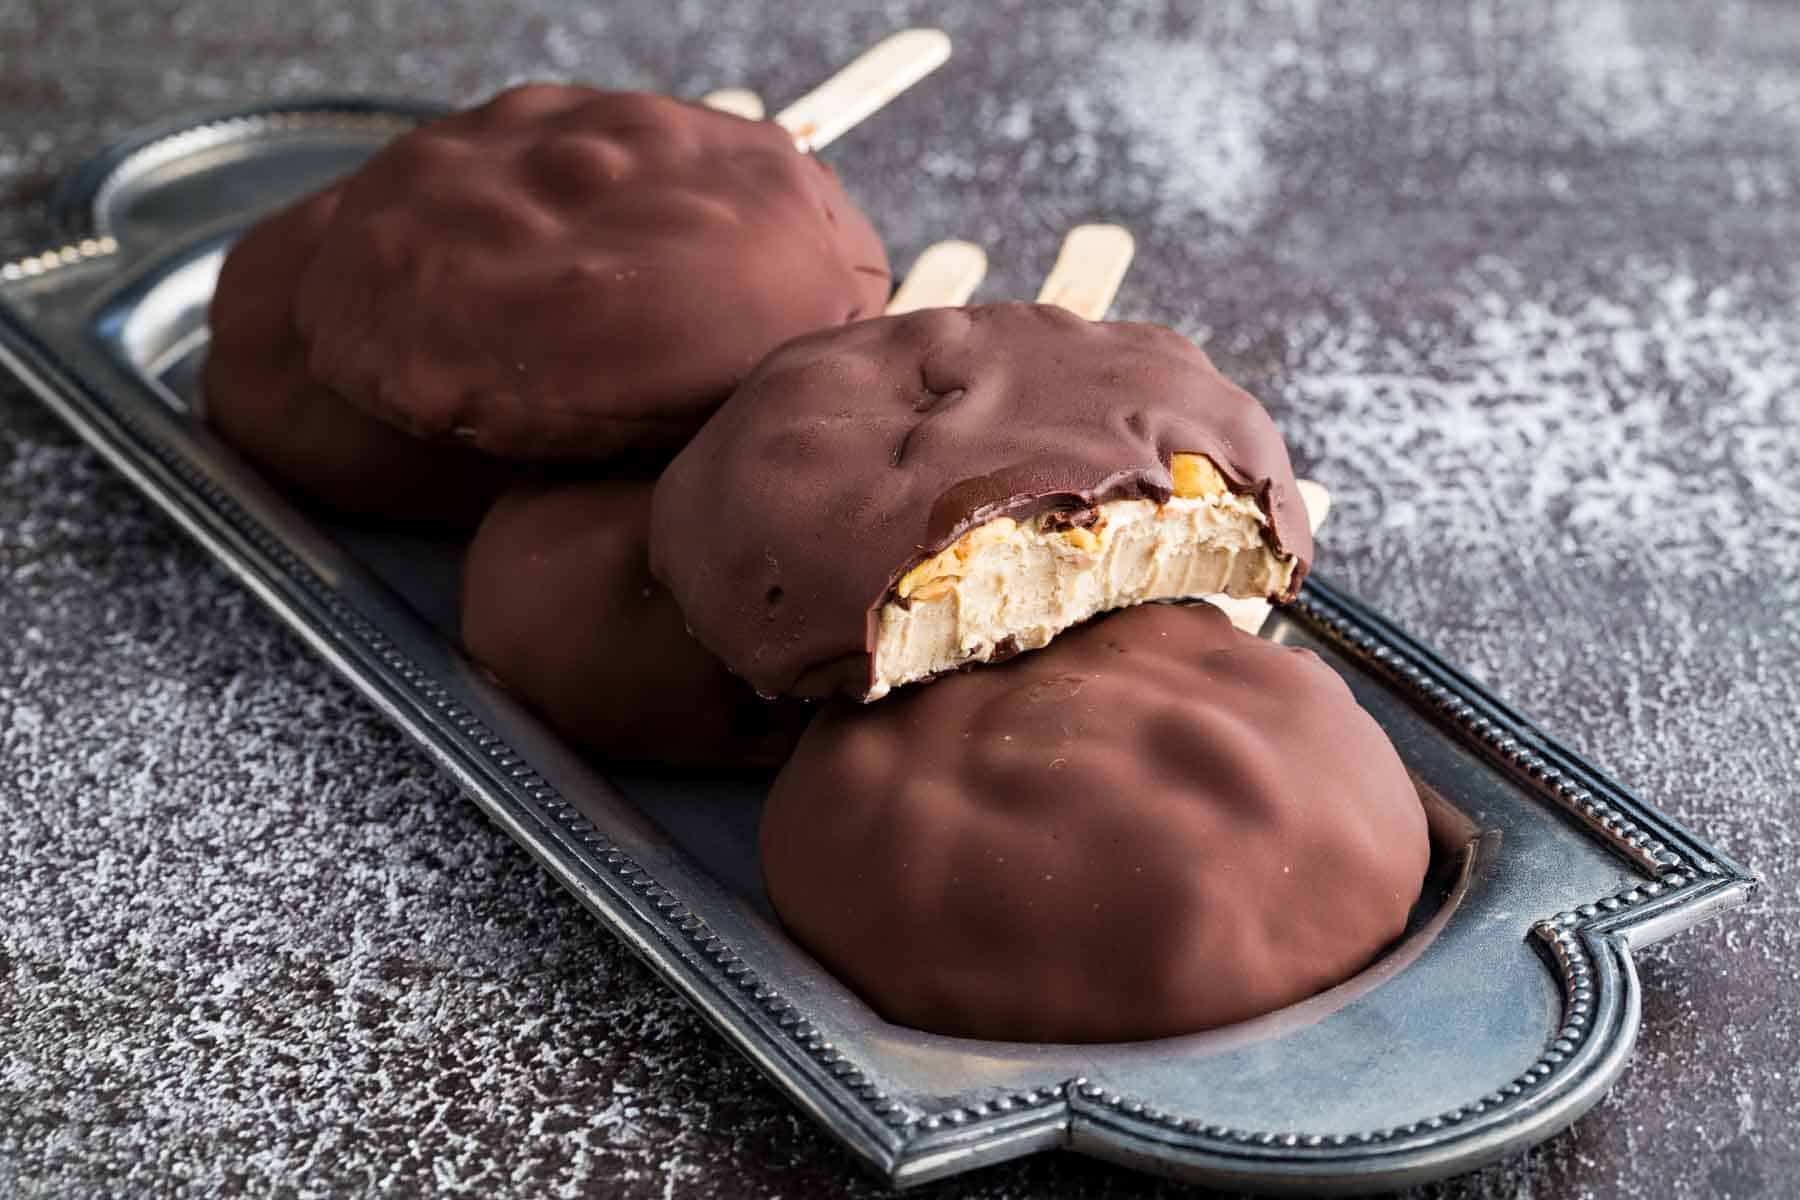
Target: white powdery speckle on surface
(1590, 497)
(248, 937)
(1584, 420)
(1192, 118)
(1637, 84)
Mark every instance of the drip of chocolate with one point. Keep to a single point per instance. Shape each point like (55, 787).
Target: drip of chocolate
(1155, 825)
(852, 453)
(558, 604)
(566, 273)
(260, 398)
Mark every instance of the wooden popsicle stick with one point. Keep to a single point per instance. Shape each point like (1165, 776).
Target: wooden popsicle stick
(944, 275)
(1248, 613)
(872, 79)
(739, 102)
(1317, 500)
(1089, 269)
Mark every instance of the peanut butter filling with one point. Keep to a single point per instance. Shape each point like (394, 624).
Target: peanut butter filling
(1012, 585)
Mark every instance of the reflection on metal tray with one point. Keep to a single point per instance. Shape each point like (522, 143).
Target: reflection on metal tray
(1502, 1016)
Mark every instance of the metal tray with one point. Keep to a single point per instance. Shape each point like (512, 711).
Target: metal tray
(1501, 1016)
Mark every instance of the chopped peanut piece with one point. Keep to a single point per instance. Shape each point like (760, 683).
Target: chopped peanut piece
(996, 530)
(937, 589)
(1082, 539)
(941, 566)
(1011, 586)
(1196, 476)
(947, 564)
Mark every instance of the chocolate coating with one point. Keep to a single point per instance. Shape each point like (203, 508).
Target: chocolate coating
(852, 453)
(570, 273)
(261, 399)
(1153, 826)
(558, 603)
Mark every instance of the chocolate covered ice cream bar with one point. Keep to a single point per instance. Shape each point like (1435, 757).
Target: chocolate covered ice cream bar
(1157, 825)
(884, 502)
(559, 606)
(258, 395)
(561, 272)
(565, 272)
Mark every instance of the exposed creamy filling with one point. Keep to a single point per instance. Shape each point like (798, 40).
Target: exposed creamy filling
(1008, 586)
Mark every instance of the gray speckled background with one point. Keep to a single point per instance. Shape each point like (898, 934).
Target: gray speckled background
(1520, 282)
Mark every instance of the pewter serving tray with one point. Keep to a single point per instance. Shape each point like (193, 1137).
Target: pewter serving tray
(1503, 1014)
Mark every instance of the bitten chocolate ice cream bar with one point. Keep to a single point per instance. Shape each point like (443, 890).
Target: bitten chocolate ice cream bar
(900, 497)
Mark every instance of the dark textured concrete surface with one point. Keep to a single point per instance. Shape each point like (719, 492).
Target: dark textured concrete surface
(1519, 281)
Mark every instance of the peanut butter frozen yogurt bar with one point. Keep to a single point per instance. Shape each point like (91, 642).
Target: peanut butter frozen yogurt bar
(884, 502)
